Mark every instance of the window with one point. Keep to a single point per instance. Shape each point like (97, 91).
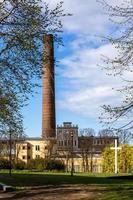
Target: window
(37, 147)
(28, 157)
(3, 142)
(98, 142)
(28, 147)
(23, 157)
(37, 156)
(65, 143)
(23, 147)
(75, 143)
(61, 143)
(46, 147)
(97, 149)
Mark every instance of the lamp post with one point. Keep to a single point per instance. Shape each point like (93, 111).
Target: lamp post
(72, 161)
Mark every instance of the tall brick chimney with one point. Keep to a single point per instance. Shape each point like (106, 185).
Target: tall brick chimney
(48, 112)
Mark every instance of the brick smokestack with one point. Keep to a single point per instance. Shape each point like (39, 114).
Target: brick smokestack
(48, 112)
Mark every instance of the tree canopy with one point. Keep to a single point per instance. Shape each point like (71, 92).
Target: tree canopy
(23, 25)
(125, 159)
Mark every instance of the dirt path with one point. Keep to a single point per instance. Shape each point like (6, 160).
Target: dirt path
(54, 193)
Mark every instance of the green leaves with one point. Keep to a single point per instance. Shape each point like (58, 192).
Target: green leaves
(21, 53)
(125, 159)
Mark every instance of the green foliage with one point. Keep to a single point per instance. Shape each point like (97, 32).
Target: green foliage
(36, 164)
(21, 54)
(18, 165)
(4, 163)
(41, 164)
(108, 160)
(125, 159)
(54, 165)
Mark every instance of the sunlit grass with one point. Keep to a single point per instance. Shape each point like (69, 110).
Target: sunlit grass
(30, 178)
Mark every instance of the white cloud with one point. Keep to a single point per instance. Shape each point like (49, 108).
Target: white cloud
(88, 15)
(88, 102)
(89, 86)
(83, 63)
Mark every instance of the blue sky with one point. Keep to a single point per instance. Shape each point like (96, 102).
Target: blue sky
(82, 87)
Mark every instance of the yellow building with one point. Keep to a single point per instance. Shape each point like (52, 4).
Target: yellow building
(33, 148)
(85, 152)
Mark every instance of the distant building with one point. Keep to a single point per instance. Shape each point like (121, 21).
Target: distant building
(86, 151)
(34, 148)
(66, 135)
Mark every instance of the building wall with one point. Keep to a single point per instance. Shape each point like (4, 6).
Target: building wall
(66, 135)
(79, 166)
(32, 149)
(86, 151)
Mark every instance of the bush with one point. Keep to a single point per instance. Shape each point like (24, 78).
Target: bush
(18, 164)
(41, 164)
(54, 165)
(4, 164)
(37, 164)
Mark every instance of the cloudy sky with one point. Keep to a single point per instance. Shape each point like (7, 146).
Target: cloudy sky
(82, 86)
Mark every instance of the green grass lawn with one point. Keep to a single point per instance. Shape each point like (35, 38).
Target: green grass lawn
(119, 187)
(23, 179)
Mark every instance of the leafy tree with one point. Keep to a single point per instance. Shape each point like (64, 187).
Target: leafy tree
(21, 53)
(122, 64)
(10, 116)
(125, 159)
(108, 160)
(7, 7)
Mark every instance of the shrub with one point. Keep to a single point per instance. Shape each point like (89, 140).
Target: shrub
(37, 164)
(18, 164)
(41, 164)
(54, 165)
(4, 164)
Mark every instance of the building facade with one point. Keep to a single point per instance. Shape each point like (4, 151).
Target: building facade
(85, 152)
(35, 148)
